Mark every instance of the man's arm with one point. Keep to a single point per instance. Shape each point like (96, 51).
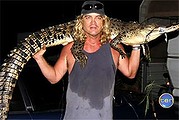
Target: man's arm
(53, 74)
(129, 66)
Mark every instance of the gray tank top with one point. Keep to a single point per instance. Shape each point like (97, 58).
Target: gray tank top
(90, 89)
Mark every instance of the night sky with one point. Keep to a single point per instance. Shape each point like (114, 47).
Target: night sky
(30, 16)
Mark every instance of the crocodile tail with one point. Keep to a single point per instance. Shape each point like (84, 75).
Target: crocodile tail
(19, 56)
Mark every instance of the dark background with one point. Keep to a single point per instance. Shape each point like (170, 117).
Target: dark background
(30, 16)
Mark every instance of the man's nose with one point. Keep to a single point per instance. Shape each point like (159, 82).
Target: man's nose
(93, 21)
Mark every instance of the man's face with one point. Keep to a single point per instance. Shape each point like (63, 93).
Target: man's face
(92, 24)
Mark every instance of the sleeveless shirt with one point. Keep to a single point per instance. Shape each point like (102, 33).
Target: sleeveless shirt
(90, 89)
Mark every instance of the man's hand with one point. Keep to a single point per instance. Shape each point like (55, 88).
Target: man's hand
(40, 53)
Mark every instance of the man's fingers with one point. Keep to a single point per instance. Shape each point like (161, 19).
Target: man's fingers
(44, 47)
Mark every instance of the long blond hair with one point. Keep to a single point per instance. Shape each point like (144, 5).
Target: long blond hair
(79, 33)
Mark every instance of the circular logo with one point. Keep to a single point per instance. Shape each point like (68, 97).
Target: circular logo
(166, 100)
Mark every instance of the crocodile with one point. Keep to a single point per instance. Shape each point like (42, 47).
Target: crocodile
(128, 33)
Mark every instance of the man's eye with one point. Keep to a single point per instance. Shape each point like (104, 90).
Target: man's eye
(86, 17)
(99, 17)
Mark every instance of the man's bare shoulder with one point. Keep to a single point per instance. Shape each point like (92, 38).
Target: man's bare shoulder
(66, 51)
(67, 47)
(119, 46)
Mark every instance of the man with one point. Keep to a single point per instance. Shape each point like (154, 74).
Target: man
(90, 89)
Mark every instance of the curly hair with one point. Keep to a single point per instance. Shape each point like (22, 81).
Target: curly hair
(79, 33)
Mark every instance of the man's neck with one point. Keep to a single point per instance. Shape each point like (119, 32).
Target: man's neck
(93, 39)
(92, 44)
